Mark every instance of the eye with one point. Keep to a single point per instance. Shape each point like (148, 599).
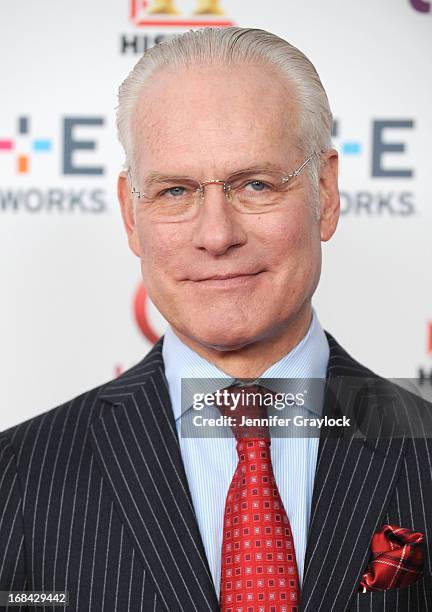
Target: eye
(176, 191)
(256, 186)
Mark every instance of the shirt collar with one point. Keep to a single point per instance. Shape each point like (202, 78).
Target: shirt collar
(307, 360)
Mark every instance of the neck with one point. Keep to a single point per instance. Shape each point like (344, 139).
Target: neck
(254, 358)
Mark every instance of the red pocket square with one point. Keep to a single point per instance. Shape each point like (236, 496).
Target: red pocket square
(397, 559)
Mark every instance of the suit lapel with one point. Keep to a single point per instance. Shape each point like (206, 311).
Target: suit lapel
(136, 445)
(354, 479)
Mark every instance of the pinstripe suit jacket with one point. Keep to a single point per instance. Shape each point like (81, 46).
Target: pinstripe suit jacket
(94, 499)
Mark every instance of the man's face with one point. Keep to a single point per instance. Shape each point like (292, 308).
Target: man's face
(208, 123)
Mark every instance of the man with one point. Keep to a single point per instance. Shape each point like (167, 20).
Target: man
(231, 187)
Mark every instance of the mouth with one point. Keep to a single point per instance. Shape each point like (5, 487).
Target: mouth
(227, 280)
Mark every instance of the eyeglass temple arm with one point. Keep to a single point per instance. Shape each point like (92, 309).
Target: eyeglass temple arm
(297, 172)
(133, 190)
(305, 163)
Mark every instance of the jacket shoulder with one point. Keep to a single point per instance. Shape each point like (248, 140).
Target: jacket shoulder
(395, 408)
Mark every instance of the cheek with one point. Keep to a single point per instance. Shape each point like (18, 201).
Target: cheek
(290, 238)
(160, 249)
(293, 249)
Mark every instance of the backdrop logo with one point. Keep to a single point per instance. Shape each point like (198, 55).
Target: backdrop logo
(35, 145)
(77, 135)
(387, 156)
(425, 374)
(171, 13)
(421, 6)
(429, 339)
(71, 144)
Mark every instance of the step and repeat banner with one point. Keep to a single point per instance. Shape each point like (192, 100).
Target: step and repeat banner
(73, 312)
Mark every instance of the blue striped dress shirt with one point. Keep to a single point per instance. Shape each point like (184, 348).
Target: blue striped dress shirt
(210, 462)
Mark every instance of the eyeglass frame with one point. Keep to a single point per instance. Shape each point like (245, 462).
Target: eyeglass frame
(227, 186)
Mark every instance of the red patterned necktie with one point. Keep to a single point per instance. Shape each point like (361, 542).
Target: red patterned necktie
(259, 569)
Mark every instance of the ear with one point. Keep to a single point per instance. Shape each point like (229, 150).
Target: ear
(127, 210)
(329, 194)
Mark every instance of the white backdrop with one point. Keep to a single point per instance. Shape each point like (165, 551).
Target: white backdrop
(68, 280)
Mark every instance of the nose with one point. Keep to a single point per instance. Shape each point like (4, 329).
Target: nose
(218, 226)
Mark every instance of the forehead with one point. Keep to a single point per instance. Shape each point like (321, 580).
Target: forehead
(214, 117)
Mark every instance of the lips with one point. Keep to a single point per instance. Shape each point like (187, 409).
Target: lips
(228, 276)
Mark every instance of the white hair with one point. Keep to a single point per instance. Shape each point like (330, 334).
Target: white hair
(233, 45)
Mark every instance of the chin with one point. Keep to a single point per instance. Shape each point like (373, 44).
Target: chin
(223, 337)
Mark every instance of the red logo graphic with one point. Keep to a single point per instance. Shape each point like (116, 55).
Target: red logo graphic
(429, 340)
(141, 302)
(166, 13)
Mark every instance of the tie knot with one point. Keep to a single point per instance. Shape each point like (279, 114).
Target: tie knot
(247, 407)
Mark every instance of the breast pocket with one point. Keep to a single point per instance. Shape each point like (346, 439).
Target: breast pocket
(415, 598)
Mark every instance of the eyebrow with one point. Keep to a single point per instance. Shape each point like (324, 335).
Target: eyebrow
(157, 177)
